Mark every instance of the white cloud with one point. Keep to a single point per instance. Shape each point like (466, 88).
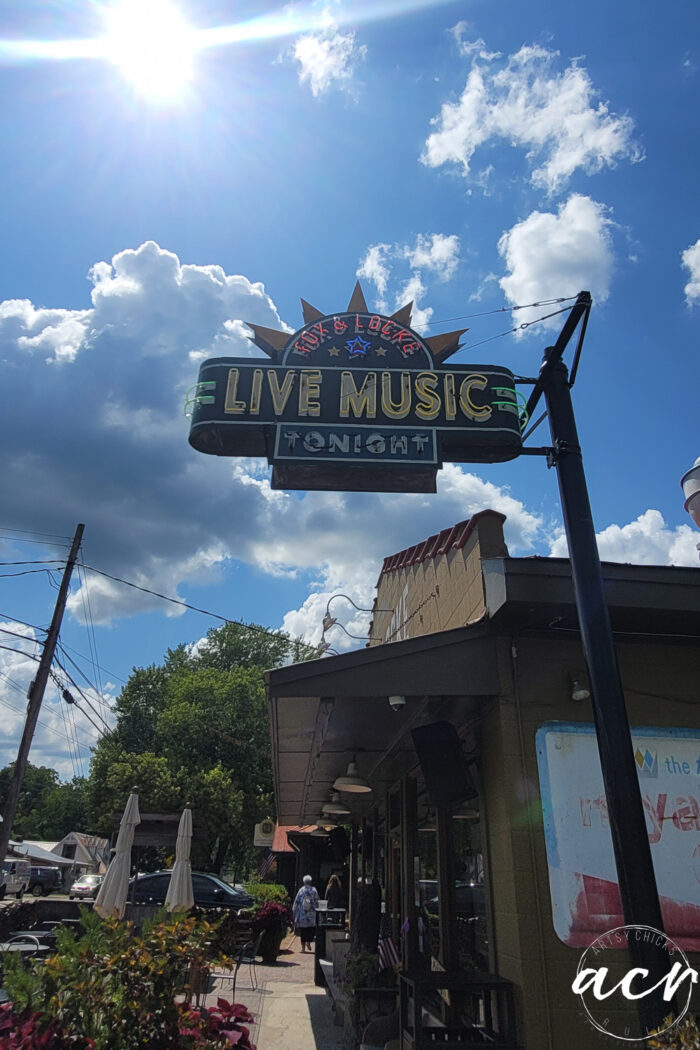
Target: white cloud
(556, 117)
(550, 255)
(438, 252)
(327, 59)
(646, 541)
(386, 265)
(467, 48)
(107, 443)
(691, 261)
(374, 266)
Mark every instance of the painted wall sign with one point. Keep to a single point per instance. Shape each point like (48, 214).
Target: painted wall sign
(582, 875)
(362, 397)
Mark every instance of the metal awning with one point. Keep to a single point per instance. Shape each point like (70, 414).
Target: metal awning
(325, 712)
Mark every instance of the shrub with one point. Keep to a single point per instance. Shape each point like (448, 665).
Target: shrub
(267, 891)
(112, 989)
(683, 1036)
(272, 916)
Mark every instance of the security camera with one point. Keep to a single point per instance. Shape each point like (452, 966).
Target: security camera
(396, 703)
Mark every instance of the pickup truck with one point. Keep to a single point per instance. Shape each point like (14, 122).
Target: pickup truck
(43, 879)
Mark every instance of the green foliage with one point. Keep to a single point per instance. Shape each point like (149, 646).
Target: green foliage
(683, 1036)
(196, 730)
(112, 986)
(262, 892)
(46, 809)
(362, 970)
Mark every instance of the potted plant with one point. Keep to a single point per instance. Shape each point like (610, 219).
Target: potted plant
(273, 920)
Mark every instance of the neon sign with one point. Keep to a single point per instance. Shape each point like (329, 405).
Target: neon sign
(355, 400)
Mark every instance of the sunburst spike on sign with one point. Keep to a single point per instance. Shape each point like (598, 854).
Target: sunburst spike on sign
(357, 303)
(310, 312)
(443, 346)
(270, 340)
(403, 316)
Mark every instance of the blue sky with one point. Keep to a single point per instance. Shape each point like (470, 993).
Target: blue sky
(469, 156)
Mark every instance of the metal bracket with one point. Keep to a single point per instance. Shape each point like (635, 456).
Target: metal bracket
(561, 448)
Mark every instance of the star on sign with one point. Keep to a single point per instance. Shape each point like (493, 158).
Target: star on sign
(333, 351)
(357, 347)
(380, 351)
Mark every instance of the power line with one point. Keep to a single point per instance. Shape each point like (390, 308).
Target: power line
(500, 310)
(32, 532)
(25, 572)
(85, 698)
(20, 652)
(194, 608)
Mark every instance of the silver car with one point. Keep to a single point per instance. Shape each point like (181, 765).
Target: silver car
(86, 886)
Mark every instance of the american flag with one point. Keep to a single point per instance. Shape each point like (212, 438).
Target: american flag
(388, 955)
(267, 864)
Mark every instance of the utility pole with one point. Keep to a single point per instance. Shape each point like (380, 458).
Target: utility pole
(36, 695)
(630, 839)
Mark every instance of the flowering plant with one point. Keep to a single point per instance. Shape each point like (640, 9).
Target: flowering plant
(272, 916)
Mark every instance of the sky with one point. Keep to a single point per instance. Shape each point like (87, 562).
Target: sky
(171, 172)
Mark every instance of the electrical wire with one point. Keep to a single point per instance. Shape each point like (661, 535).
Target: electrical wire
(15, 619)
(19, 710)
(64, 649)
(195, 608)
(20, 652)
(32, 532)
(26, 572)
(499, 310)
(85, 698)
(92, 640)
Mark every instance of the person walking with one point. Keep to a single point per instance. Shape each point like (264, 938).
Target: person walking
(304, 911)
(335, 895)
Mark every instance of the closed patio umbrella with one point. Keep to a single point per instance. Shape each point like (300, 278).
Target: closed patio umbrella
(111, 898)
(180, 896)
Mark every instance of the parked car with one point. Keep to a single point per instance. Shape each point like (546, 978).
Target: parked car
(14, 877)
(43, 879)
(209, 891)
(86, 886)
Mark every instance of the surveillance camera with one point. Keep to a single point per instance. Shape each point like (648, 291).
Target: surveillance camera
(397, 702)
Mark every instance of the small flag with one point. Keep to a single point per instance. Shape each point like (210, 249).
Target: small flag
(267, 864)
(388, 955)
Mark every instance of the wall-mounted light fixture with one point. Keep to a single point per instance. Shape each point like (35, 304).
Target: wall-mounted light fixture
(352, 781)
(580, 687)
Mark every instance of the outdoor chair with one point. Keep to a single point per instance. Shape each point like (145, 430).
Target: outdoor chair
(243, 956)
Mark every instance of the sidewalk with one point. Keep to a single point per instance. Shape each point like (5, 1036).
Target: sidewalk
(290, 1011)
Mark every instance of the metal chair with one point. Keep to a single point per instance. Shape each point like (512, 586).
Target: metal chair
(244, 955)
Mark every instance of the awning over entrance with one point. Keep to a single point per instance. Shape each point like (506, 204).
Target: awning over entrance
(325, 712)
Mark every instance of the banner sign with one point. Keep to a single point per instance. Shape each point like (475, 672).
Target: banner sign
(357, 395)
(582, 875)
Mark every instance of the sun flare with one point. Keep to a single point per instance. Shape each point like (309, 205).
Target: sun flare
(152, 45)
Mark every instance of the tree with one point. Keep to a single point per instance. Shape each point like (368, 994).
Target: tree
(195, 729)
(47, 809)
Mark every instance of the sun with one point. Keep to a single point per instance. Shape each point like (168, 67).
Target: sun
(152, 45)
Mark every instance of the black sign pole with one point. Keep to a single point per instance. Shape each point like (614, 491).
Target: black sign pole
(635, 871)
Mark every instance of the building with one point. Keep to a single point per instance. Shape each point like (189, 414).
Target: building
(495, 855)
(89, 853)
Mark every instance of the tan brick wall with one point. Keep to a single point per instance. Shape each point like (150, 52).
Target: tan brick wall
(442, 592)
